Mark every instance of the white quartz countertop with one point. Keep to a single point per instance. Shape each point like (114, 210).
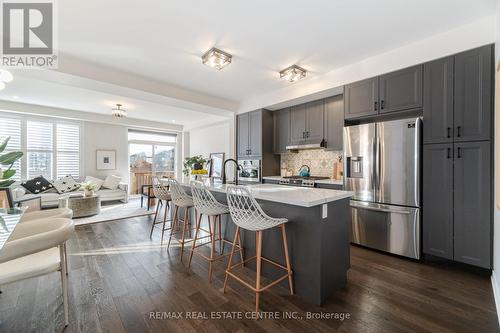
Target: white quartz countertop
(291, 195)
(322, 181)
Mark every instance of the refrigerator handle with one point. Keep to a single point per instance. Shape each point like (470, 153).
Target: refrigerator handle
(377, 156)
(374, 165)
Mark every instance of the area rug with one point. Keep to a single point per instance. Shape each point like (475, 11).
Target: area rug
(116, 211)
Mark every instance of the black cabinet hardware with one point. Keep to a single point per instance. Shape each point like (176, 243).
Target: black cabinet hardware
(448, 155)
(449, 132)
(458, 131)
(382, 104)
(459, 152)
(375, 105)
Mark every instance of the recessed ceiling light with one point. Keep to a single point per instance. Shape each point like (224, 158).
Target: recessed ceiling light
(173, 120)
(216, 58)
(15, 97)
(293, 73)
(118, 112)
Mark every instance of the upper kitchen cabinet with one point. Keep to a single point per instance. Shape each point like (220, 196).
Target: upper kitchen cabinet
(334, 123)
(243, 137)
(401, 90)
(438, 101)
(297, 124)
(281, 120)
(361, 98)
(473, 96)
(249, 137)
(315, 118)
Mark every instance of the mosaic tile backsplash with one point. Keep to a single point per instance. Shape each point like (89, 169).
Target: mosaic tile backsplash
(320, 161)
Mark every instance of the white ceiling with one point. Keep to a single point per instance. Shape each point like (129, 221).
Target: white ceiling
(162, 41)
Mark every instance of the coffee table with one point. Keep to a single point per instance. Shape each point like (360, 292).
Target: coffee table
(81, 205)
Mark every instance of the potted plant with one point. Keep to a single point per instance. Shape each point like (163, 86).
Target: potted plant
(193, 163)
(88, 189)
(7, 159)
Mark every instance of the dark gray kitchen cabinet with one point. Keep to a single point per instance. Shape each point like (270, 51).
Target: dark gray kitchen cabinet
(473, 94)
(334, 123)
(297, 124)
(315, 113)
(437, 208)
(281, 120)
(243, 136)
(472, 202)
(249, 134)
(361, 98)
(255, 131)
(401, 90)
(438, 101)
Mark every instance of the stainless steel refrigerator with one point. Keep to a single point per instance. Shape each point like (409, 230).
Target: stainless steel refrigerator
(382, 168)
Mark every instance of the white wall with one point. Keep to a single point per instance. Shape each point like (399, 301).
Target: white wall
(216, 138)
(104, 136)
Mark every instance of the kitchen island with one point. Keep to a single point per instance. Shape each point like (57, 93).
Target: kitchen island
(318, 236)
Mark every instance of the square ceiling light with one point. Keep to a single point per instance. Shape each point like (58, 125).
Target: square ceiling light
(293, 73)
(216, 58)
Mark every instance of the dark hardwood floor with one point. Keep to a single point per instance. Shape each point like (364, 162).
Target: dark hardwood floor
(118, 277)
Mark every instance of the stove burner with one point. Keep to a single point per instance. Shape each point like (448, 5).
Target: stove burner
(300, 181)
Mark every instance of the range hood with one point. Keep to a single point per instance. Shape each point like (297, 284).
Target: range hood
(307, 145)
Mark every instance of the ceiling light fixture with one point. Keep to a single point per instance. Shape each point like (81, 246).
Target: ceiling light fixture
(216, 58)
(118, 112)
(293, 73)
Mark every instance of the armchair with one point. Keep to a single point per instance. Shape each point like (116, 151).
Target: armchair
(36, 248)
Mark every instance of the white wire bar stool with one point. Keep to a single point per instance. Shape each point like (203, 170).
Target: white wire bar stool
(247, 214)
(207, 205)
(163, 196)
(180, 199)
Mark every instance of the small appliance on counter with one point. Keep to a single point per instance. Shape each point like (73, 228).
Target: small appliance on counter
(250, 171)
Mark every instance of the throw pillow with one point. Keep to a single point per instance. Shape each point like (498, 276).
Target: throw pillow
(98, 182)
(112, 182)
(66, 184)
(37, 185)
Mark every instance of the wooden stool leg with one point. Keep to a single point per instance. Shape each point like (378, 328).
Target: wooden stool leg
(186, 224)
(195, 238)
(220, 234)
(154, 221)
(259, 264)
(212, 248)
(174, 225)
(231, 257)
(241, 249)
(287, 258)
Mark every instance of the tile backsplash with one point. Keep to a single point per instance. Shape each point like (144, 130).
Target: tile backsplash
(320, 161)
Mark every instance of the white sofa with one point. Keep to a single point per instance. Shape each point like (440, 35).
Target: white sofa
(51, 199)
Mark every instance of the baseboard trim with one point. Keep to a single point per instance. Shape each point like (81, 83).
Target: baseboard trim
(496, 292)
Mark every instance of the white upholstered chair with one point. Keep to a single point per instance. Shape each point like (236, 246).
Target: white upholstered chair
(66, 213)
(34, 249)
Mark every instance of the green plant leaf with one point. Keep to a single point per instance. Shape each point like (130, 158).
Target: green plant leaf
(8, 173)
(4, 144)
(10, 158)
(6, 183)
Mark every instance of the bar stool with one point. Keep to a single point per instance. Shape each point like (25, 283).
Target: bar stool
(182, 200)
(163, 195)
(206, 204)
(248, 215)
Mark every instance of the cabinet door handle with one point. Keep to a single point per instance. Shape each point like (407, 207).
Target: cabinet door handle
(375, 105)
(307, 134)
(382, 104)
(449, 132)
(448, 153)
(459, 152)
(458, 131)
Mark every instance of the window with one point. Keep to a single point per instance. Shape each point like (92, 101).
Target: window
(51, 148)
(12, 127)
(68, 150)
